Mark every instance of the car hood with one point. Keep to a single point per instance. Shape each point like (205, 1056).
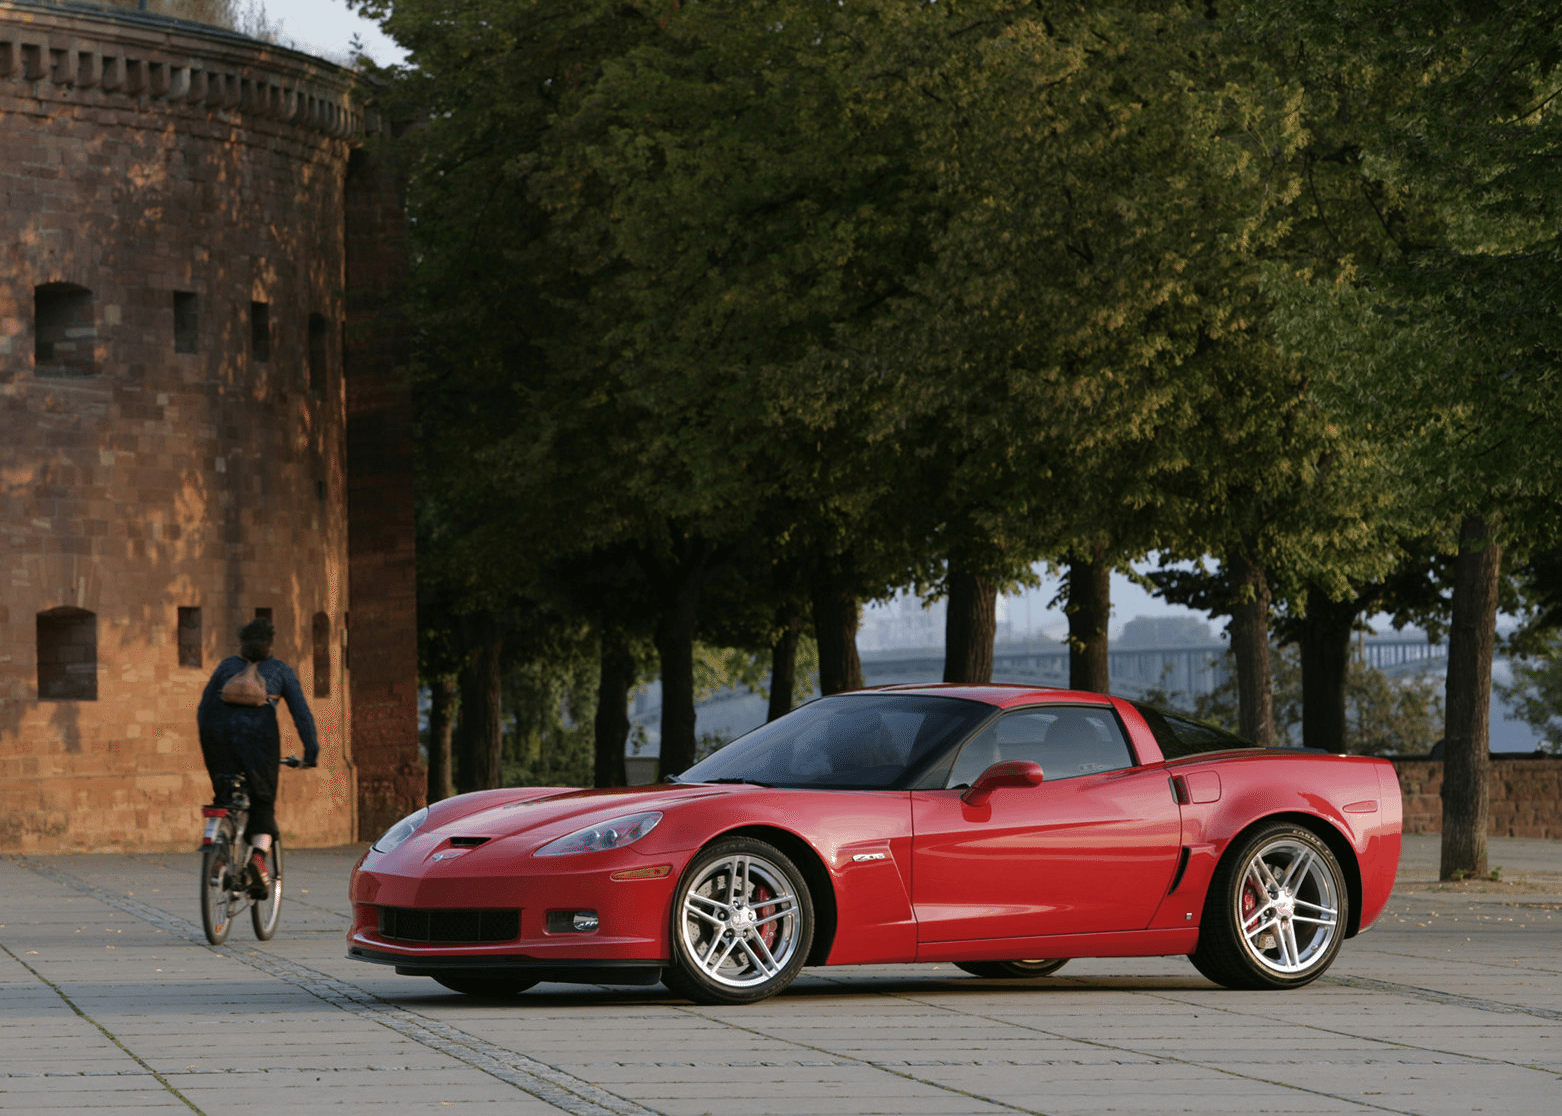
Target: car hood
(521, 820)
(570, 809)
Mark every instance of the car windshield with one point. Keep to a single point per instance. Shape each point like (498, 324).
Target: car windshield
(845, 741)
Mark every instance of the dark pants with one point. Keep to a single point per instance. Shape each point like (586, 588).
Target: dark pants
(223, 761)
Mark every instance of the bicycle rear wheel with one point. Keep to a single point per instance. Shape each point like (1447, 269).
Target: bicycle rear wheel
(217, 870)
(264, 913)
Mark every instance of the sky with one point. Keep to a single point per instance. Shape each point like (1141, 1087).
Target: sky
(326, 27)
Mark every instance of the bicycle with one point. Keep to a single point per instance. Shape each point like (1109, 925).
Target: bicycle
(226, 888)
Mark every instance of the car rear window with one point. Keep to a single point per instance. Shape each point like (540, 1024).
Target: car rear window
(1179, 737)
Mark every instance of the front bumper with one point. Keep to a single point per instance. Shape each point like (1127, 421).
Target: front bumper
(633, 915)
(563, 972)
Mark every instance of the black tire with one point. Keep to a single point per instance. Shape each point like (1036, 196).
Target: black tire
(486, 986)
(1276, 913)
(742, 924)
(999, 970)
(265, 913)
(217, 870)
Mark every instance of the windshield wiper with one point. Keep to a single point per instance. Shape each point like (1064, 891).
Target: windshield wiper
(746, 782)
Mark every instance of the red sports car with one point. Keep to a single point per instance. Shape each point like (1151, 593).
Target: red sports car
(1001, 828)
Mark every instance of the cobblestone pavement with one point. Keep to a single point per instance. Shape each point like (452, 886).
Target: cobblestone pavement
(111, 1001)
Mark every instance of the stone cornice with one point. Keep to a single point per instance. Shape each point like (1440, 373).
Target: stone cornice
(123, 53)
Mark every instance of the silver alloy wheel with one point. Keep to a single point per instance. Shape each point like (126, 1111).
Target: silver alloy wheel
(1287, 906)
(740, 921)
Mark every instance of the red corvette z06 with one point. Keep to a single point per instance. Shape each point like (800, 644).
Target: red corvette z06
(1004, 829)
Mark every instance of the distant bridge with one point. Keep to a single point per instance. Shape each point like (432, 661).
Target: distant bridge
(1190, 670)
(1187, 672)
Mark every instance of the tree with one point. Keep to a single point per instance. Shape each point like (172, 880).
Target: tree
(1073, 289)
(637, 225)
(1535, 694)
(1459, 320)
(245, 16)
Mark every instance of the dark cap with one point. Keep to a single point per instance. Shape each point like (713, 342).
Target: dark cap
(255, 639)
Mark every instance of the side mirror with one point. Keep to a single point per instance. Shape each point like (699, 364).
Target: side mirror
(1009, 773)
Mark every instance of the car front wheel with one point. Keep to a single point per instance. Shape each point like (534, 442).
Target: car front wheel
(1276, 912)
(743, 922)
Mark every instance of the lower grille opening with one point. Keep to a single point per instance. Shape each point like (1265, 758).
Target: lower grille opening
(408, 925)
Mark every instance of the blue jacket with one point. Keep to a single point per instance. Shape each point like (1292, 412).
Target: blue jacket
(249, 733)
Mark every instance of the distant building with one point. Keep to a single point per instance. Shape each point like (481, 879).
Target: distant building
(1163, 631)
(198, 423)
(906, 621)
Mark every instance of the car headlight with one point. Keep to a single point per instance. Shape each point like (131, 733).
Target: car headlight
(399, 832)
(615, 833)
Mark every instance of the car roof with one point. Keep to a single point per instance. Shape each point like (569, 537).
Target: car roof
(1003, 695)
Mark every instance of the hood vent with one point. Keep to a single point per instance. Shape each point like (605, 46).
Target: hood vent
(467, 842)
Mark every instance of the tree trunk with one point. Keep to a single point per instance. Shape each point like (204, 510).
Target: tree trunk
(1324, 644)
(835, 608)
(1466, 744)
(675, 648)
(480, 738)
(783, 667)
(1250, 651)
(1089, 612)
(970, 626)
(443, 695)
(615, 679)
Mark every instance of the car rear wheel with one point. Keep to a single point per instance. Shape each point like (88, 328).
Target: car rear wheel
(1276, 913)
(486, 986)
(743, 922)
(998, 970)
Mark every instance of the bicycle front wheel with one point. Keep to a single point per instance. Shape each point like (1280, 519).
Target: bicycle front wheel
(217, 870)
(264, 913)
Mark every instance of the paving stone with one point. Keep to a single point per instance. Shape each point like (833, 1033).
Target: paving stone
(1412, 1019)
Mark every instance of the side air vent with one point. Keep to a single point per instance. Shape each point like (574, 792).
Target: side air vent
(409, 925)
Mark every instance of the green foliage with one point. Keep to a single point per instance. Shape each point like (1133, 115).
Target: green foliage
(714, 295)
(1444, 340)
(549, 703)
(1535, 694)
(1392, 716)
(728, 668)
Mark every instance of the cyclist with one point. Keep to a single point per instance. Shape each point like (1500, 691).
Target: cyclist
(237, 719)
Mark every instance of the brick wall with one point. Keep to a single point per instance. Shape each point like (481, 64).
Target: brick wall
(143, 159)
(1526, 796)
(381, 532)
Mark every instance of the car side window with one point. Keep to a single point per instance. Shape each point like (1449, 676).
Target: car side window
(1067, 741)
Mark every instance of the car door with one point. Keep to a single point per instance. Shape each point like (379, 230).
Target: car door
(1091, 849)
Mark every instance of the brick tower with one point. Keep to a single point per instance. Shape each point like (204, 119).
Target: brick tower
(200, 421)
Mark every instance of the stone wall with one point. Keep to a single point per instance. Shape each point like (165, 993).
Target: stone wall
(1526, 796)
(173, 434)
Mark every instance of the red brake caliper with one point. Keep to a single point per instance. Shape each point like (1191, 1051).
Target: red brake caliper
(767, 933)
